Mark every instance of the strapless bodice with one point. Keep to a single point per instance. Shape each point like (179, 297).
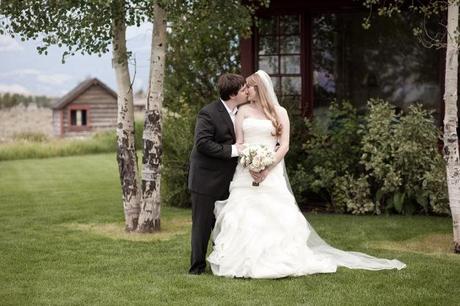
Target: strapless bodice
(259, 131)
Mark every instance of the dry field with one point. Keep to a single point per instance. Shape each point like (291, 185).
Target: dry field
(20, 119)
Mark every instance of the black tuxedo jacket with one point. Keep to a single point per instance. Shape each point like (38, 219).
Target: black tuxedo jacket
(211, 164)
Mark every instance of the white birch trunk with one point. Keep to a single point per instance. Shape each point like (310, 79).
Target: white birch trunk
(149, 219)
(451, 153)
(126, 153)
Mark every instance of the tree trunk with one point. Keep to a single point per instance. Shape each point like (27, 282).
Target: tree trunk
(451, 153)
(149, 220)
(126, 153)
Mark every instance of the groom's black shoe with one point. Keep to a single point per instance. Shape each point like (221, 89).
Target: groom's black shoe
(196, 271)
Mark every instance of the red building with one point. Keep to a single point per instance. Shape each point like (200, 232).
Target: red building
(318, 51)
(89, 107)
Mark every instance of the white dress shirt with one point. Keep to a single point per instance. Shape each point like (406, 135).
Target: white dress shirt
(232, 114)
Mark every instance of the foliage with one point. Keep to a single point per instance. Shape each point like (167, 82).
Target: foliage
(177, 145)
(44, 203)
(203, 43)
(8, 100)
(80, 26)
(352, 194)
(400, 154)
(383, 161)
(331, 148)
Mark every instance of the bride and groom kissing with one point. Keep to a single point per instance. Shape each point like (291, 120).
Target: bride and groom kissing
(257, 230)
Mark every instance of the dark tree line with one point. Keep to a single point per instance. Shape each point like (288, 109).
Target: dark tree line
(8, 100)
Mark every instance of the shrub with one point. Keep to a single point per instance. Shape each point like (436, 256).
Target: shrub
(331, 148)
(177, 145)
(402, 159)
(384, 161)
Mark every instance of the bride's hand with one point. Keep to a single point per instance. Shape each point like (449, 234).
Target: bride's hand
(255, 175)
(262, 175)
(259, 176)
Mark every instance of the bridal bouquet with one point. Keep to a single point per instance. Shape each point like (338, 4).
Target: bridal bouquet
(257, 158)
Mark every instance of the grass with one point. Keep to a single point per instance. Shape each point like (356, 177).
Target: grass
(30, 146)
(36, 145)
(62, 243)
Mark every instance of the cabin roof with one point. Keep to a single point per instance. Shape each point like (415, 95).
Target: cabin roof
(80, 89)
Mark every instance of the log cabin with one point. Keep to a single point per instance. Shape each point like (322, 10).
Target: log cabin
(89, 107)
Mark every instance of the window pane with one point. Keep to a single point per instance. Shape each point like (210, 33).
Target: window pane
(267, 26)
(289, 25)
(73, 117)
(268, 45)
(276, 84)
(269, 64)
(324, 53)
(290, 44)
(290, 64)
(291, 86)
(292, 102)
(78, 118)
(83, 117)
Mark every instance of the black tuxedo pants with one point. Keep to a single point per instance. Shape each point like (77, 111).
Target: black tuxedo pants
(203, 221)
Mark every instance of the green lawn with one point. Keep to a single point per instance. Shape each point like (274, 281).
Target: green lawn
(61, 243)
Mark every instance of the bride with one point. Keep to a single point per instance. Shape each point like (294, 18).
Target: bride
(260, 231)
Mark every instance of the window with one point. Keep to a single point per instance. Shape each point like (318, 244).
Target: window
(386, 61)
(78, 117)
(279, 54)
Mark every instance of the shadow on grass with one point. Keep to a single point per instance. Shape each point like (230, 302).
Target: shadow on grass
(169, 229)
(433, 244)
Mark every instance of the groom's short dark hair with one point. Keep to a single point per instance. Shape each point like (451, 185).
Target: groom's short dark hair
(229, 84)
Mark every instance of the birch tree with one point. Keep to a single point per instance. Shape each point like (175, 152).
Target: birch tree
(151, 160)
(451, 153)
(126, 151)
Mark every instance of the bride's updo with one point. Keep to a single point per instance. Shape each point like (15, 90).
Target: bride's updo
(267, 106)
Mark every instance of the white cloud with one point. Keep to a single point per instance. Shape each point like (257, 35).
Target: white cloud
(9, 44)
(14, 88)
(54, 78)
(20, 72)
(38, 76)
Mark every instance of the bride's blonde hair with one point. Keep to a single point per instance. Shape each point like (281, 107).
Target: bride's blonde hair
(267, 106)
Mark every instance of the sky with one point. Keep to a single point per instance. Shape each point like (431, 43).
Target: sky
(24, 71)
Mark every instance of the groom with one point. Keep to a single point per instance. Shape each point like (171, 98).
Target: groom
(213, 161)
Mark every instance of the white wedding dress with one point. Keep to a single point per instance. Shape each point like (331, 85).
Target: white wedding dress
(261, 233)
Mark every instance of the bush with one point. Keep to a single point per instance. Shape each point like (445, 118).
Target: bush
(383, 161)
(330, 148)
(401, 157)
(177, 145)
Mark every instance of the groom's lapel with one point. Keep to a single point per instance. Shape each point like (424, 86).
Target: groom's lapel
(226, 118)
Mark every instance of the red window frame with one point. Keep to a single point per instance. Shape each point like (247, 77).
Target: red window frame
(76, 107)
